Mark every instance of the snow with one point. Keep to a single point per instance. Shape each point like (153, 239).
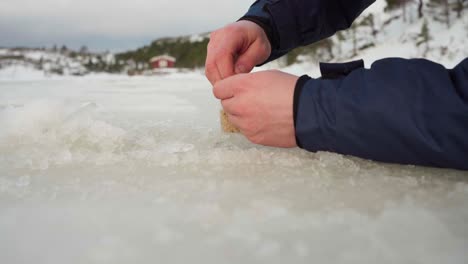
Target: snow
(20, 72)
(196, 38)
(113, 169)
(35, 55)
(378, 7)
(25, 73)
(396, 39)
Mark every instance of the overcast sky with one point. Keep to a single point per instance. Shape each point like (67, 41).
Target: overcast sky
(110, 24)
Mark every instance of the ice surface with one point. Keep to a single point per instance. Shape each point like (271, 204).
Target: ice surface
(136, 170)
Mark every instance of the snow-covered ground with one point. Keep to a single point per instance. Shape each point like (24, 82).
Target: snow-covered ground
(136, 170)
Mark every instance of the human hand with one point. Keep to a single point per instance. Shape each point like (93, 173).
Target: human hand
(236, 48)
(261, 105)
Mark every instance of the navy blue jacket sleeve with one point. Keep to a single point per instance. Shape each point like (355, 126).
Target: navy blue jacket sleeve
(400, 111)
(294, 23)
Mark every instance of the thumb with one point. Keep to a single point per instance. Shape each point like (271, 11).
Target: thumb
(250, 58)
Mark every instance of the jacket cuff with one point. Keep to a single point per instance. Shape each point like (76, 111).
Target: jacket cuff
(284, 25)
(297, 93)
(315, 110)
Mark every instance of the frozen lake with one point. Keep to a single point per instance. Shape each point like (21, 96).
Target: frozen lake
(136, 170)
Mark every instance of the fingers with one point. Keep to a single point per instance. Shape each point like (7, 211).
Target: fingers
(225, 89)
(236, 48)
(211, 69)
(254, 55)
(231, 106)
(225, 64)
(220, 59)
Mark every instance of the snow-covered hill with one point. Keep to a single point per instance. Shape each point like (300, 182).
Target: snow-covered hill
(389, 34)
(400, 38)
(23, 63)
(378, 33)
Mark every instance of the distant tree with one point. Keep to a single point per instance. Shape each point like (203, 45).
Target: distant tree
(367, 34)
(354, 38)
(73, 54)
(446, 12)
(84, 50)
(63, 49)
(401, 4)
(318, 51)
(369, 22)
(424, 38)
(420, 8)
(40, 63)
(459, 6)
(441, 11)
(341, 38)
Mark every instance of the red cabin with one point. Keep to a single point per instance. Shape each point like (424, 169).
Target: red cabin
(162, 62)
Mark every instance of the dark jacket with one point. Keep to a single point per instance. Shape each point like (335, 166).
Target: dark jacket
(401, 111)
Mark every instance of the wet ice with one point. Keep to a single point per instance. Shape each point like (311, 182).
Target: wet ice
(137, 169)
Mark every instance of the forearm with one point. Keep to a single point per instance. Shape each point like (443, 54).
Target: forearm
(400, 111)
(293, 23)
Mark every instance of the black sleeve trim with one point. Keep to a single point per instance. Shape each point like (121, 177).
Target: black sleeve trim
(297, 93)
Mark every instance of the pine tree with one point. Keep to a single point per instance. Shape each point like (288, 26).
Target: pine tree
(402, 4)
(368, 32)
(40, 63)
(369, 22)
(420, 8)
(459, 6)
(84, 50)
(341, 38)
(64, 49)
(355, 40)
(424, 38)
(441, 11)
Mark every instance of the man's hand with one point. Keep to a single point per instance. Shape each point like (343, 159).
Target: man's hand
(261, 106)
(235, 49)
